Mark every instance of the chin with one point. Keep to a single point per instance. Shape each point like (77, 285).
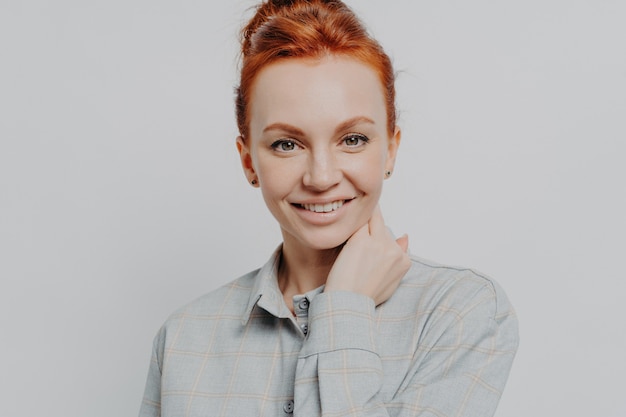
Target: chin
(327, 245)
(324, 240)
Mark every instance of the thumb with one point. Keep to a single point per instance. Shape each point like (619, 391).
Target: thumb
(403, 242)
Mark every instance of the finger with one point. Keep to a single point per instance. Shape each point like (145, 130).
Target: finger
(403, 242)
(377, 223)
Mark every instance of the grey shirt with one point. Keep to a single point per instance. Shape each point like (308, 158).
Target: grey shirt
(442, 345)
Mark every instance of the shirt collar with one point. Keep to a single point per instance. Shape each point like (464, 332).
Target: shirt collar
(265, 292)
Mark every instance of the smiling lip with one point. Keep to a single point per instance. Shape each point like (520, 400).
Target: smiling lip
(323, 207)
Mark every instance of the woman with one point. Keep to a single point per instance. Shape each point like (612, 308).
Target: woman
(340, 321)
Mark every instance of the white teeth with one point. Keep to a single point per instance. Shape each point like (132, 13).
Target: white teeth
(323, 208)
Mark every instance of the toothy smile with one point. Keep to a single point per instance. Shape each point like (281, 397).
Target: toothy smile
(323, 208)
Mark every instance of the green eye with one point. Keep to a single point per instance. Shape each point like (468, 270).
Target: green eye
(287, 146)
(284, 145)
(355, 140)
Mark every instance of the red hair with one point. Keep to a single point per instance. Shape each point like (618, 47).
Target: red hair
(282, 29)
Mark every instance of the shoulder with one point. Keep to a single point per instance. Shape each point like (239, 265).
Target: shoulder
(191, 327)
(457, 303)
(453, 287)
(229, 300)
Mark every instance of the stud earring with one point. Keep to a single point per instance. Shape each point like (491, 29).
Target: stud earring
(254, 182)
(387, 174)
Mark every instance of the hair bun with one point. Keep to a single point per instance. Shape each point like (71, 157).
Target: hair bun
(280, 3)
(283, 29)
(269, 9)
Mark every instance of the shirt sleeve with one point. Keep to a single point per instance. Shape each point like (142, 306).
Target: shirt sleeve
(459, 366)
(151, 404)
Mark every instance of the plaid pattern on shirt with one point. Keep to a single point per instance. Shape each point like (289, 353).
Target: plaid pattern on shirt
(442, 345)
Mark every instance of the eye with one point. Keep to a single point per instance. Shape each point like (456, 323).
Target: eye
(355, 140)
(285, 145)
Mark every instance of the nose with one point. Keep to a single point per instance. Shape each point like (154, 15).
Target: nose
(322, 171)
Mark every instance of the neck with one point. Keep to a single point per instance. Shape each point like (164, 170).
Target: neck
(303, 269)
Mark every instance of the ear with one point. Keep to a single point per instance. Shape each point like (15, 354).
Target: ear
(246, 161)
(392, 149)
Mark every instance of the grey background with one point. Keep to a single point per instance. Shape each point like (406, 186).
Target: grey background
(121, 195)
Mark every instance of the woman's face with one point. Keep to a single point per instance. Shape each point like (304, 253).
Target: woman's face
(318, 147)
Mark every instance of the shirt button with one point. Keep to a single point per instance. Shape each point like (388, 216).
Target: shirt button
(304, 304)
(288, 407)
(305, 329)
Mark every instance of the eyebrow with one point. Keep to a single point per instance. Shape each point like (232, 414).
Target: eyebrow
(292, 130)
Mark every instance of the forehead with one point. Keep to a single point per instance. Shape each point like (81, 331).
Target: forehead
(316, 93)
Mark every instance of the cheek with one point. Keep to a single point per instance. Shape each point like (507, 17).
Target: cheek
(367, 173)
(277, 178)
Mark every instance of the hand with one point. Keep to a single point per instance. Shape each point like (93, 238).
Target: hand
(371, 262)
